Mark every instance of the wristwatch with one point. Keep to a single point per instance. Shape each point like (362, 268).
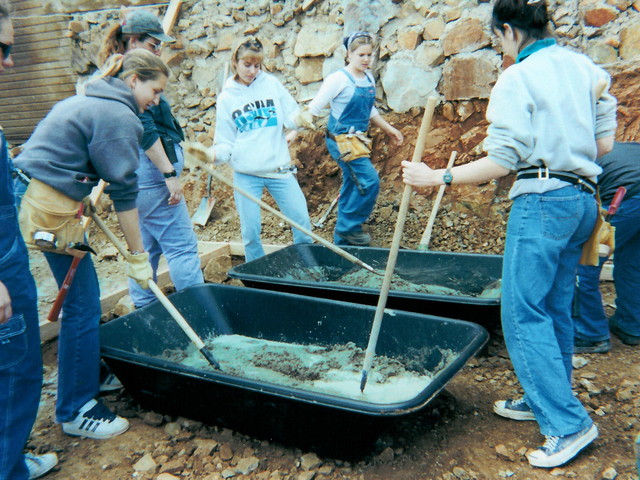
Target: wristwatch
(170, 174)
(447, 178)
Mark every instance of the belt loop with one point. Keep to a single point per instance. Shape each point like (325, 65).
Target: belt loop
(543, 173)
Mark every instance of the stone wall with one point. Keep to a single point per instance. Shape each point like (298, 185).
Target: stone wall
(425, 46)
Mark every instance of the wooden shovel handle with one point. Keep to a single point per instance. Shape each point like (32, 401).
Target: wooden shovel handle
(426, 236)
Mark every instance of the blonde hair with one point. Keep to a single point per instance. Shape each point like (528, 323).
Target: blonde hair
(249, 46)
(140, 62)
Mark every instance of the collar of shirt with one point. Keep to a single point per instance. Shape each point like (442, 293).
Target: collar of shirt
(534, 47)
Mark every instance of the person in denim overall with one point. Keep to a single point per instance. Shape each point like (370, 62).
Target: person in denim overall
(20, 356)
(550, 117)
(360, 181)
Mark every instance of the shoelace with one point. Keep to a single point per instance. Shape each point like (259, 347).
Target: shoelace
(550, 443)
(517, 402)
(99, 412)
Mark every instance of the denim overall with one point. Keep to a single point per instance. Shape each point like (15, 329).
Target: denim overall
(360, 182)
(20, 357)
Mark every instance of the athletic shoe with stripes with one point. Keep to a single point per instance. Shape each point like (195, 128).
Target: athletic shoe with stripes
(514, 409)
(557, 451)
(96, 421)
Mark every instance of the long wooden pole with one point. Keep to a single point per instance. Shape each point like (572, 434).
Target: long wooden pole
(395, 244)
(173, 311)
(426, 236)
(282, 216)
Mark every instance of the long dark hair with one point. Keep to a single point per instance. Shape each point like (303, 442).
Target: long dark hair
(528, 16)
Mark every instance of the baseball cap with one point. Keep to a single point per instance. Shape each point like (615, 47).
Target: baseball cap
(143, 22)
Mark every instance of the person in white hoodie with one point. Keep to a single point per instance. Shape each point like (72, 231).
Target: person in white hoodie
(252, 113)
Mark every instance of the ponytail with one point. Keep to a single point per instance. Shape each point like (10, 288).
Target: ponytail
(113, 43)
(139, 62)
(529, 16)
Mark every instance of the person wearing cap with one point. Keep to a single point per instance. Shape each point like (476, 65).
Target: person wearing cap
(164, 219)
(351, 94)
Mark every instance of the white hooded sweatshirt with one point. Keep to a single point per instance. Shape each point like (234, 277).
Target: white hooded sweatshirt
(250, 123)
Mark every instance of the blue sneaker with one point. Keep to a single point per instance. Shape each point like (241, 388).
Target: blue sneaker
(586, 346)
(514, 409)
(557, 451)
(626, 338)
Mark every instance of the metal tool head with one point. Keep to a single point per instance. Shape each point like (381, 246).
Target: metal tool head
(45, 239)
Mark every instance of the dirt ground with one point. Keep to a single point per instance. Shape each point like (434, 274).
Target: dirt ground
(457, 436)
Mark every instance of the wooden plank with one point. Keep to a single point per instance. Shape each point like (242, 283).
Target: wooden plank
(26, 4)
(36, 67)
(41, 81)
(22, 49)
(39, 99)
(41, 56)
(62, 89)
(171, 15)
(46, 32)
(21, 77)
(20, 22)
(25, 34)
(26, 118)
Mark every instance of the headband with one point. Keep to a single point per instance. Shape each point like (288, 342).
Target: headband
(349, 39)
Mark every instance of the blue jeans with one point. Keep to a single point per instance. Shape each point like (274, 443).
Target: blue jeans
(355, 204)
(20, 357)
(78, 341)
(545, 235)
(166, 229)
(291, 202)
(591, 323)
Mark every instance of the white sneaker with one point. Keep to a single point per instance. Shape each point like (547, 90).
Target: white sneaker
(40, 465)
(110, 383)
(96, 421)
(557, 451)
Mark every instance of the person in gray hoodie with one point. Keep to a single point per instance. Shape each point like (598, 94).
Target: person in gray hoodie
(83, 139)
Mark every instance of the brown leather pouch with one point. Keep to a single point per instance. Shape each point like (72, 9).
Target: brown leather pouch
(353, 145)
(49, 220)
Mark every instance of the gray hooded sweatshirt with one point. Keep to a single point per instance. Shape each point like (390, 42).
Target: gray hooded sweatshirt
(85, 138)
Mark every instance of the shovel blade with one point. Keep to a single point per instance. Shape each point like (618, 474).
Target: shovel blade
(202, 214)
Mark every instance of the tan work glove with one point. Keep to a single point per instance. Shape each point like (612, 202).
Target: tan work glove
(304, 119)
(196, 153)
(139, 268)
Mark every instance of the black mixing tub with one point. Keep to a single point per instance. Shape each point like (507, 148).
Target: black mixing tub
(470, 282)
(134, 346)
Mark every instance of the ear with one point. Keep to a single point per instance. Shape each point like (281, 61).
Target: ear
(132, 81)
(509, 31)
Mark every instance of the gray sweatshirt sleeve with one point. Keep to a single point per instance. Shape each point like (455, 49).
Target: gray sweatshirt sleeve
(115, 158)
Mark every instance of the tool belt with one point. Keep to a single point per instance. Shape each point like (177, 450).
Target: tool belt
(352, 145)
(543, 173)
(49, 221)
